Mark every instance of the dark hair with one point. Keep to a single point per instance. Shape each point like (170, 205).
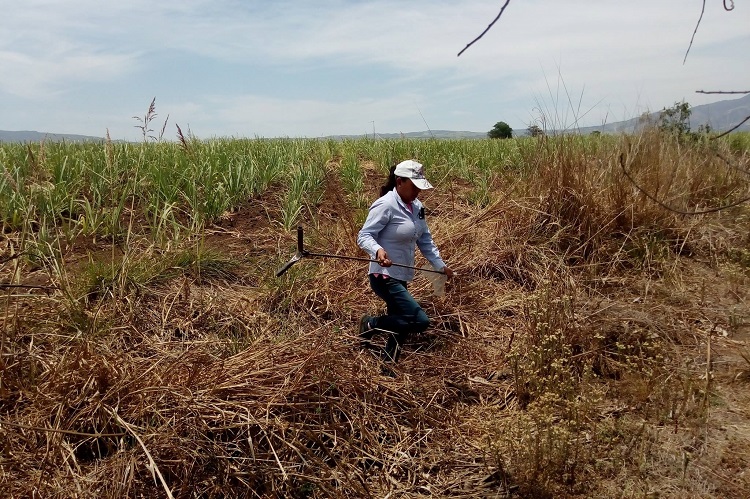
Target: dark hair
(390, 183)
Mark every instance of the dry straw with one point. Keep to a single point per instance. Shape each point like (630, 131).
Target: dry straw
(565, 357)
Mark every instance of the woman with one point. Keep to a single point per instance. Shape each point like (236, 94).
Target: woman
(394, 225)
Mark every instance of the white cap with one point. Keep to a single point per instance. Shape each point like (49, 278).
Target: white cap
(413, 171)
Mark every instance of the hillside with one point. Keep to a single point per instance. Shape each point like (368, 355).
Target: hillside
(33, 136)
(721, 116)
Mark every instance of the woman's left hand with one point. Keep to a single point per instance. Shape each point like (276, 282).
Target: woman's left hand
(448, 272)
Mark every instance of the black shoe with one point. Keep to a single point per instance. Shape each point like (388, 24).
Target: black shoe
(364, 326)
(365, 332)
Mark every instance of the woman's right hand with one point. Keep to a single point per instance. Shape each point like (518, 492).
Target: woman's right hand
(382, 257)
(448, 272)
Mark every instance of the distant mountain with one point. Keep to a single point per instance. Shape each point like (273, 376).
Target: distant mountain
(721, 116)
(31, 136)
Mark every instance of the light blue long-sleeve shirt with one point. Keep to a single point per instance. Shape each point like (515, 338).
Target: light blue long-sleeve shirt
(391, 226)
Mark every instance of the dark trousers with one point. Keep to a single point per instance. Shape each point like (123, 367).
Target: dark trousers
(404, 315)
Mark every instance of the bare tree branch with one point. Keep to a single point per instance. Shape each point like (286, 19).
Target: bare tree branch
(726, 92)
(735, 127)
(485, 30)
(722, 91)
(703, 9)
(728, 6)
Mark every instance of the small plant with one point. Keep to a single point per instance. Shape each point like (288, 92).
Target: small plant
(535, 131)
(144, 123)
(183, 140)
(304, 189)
(542, 362)
(353, 182)
(293, 202)
(676, 119)
(547, 447)
(484, 188)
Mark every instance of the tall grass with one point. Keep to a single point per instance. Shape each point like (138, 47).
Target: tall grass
(568, 358)
(64, 181)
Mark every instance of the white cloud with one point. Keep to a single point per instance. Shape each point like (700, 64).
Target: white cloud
(43, 77)
(626, 55)
(250, 115)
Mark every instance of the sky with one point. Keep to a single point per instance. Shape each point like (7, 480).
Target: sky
(231, 68)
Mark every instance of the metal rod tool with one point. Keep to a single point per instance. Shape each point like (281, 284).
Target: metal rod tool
(302, 253)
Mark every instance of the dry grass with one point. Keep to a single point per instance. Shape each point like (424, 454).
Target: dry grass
(591, 344)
